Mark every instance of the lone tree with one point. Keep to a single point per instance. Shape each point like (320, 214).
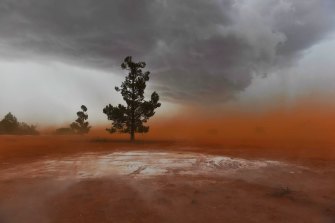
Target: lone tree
(81, 126)
(130, 118)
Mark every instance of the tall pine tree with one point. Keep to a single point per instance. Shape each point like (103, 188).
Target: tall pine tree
(131, 118)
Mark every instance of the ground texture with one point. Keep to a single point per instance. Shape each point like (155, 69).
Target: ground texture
(70, 179)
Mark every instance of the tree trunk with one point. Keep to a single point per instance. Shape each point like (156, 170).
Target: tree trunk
(132, 136)
(132, 131)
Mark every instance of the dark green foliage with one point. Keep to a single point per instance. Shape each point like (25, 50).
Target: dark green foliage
(10, 126)
(130, 118)
(81, 126)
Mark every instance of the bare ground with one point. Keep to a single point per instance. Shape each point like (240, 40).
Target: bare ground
(303, 191)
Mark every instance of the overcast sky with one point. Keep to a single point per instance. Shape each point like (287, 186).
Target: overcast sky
(58, 54)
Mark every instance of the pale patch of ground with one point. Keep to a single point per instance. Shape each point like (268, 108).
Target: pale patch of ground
(142, 164)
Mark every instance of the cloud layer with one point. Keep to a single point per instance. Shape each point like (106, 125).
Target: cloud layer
(199, 51)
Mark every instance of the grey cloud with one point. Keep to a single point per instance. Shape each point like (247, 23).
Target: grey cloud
(198, 50)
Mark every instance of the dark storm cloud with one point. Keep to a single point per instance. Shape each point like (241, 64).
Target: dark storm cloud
(197, 49)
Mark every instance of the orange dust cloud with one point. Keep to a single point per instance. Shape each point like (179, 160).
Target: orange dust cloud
(306, 122)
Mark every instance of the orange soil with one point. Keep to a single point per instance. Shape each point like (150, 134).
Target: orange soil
(170, 198)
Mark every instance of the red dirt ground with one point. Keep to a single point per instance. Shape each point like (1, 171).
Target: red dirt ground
(307, 197)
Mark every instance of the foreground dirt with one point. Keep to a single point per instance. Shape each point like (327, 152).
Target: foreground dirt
(268, 196)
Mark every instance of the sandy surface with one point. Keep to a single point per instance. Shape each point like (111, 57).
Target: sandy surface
(46, 179)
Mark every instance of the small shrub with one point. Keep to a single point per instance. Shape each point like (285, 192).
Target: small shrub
(282, 192)
(64, 131)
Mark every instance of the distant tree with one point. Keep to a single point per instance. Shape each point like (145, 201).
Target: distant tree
(81, 126)
(26, 129)
(130, 118)
(10, 125)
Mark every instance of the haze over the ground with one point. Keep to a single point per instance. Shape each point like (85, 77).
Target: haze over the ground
(216, 55)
